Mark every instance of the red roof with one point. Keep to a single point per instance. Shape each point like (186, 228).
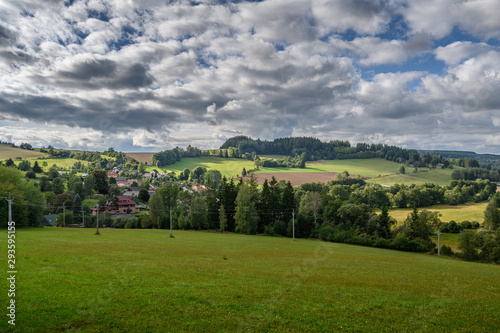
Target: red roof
(114, 175)
(124, 201)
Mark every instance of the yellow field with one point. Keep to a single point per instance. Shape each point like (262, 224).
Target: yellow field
(7, 151)
(467, 212)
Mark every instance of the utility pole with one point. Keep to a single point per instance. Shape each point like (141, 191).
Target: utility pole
(293, 224)
(171, 236)
(64, 214)
(10, 200)
(97, 231)
(439, 242)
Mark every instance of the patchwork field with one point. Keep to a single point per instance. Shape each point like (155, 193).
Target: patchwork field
(7, 151)
(467, 212)
(144, 281)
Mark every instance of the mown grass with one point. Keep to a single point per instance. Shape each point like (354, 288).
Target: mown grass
(64, 163)
(371, 167)
(229, 167)
(7, 151)
(436, 176)
(144, 281)
(466, 212)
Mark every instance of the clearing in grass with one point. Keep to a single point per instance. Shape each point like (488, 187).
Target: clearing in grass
(144, 281)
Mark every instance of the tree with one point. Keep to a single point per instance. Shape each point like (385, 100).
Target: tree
(222, 219)
(246, 217)
(101, 181)
(198, 212)
(161, 201)
(143, 195)
(9, 163)
(402, 170)
(58, 185)
(311, 203)
(243, 172)
(24, 166)
(421, 225)
(112, 180)
(89, 185)
(77, 206)
(37, 168)
(288, 203)
(491, 216)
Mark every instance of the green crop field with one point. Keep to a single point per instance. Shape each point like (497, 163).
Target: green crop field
(7, 151)
(144, 281)
(467, 212)
(229, 167)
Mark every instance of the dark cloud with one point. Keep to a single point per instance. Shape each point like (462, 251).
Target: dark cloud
(103, 68)
(7, 36)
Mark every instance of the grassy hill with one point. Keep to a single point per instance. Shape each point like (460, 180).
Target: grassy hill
(141, 280)
(7, 151)
(229, 167)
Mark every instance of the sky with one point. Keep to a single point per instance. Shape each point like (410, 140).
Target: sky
(150, 75)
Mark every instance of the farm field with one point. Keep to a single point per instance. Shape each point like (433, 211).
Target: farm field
(142, 157)
(437, 176)
(229, 167)
(7, 151)
(459, 213)
(144, 281)
(295, 178)
(64, 163)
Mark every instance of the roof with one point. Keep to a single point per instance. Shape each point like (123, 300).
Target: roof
(114, 175)
(51, 220)
(124, 201)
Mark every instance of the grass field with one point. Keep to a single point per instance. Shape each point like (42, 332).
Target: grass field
(467, 212)
(7, 151)
(229, 167)
(144, 281)
(437, 176)
(64, 163)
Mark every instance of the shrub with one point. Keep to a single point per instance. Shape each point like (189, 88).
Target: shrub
(446, 251)
(30, 175)
(280, 228)
(466, 225)
(269, 230)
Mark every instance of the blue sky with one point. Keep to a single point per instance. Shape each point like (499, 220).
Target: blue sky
(149, 75)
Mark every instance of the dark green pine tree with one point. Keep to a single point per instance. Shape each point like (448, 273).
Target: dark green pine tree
(37, 168)
(275, 200)
(288, 203)
(264, 207)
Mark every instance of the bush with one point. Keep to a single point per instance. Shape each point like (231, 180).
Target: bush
(474, 225)
(30, 175)
(466, 225)
(280, 228)
(447, 251)
(269, 230)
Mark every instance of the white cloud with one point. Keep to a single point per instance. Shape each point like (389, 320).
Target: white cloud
(455, 52)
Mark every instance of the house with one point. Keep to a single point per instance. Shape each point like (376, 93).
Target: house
(114, 175)
(49, 220)
(154, 173)
(126, 183)
(146, 175)
(123, 205)
(120, 179)
(132, 192)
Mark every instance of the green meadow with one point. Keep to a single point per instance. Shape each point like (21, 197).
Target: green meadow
(7, 151)
(229, 167)
(466, 212)
(143, 281)
(436, 176)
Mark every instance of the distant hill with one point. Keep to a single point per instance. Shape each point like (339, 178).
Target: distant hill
(486, 160)
(7, 151)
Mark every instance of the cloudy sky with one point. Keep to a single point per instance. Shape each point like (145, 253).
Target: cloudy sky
(148, 75)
